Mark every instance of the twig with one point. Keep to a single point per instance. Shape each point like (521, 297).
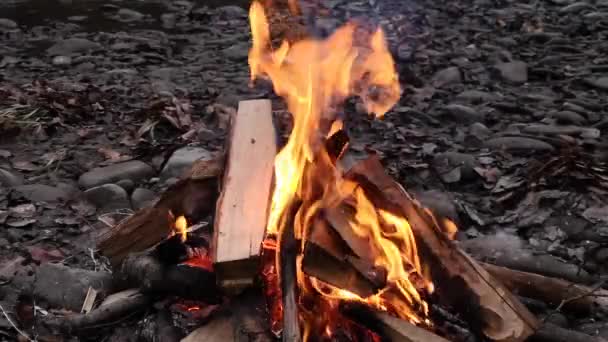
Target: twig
(10, 321)
(573, 298)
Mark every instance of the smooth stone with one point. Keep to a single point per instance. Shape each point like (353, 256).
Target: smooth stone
(43, 193)
(6, 23)
(599, 83)
(134, 170)
(231, 12)
(182, 159)
(62, 60)
(476, 96)
(448, 161)
(237, 52)
(569, 117)
(66, 287)
(585, 132)
(439, 202)
(517, 144)
(515, 72)
(479, 130)
(576, 7)
(72, 46)
(142, 198)
(126, 184)
(128, 15)
(446, 76)
(10, 178)
(463, 113)
(108, 197)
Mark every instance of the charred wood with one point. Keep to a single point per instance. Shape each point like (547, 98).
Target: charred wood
(288, 252)
(110, 312)
(146, 272)
(389, 328)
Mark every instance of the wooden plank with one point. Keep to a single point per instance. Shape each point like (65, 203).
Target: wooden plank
(459, 280)
(242, 208)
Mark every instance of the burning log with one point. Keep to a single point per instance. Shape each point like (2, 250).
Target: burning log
(193, 196)
(557, 292)
(153, 276)
(287, 257)
(487, 305)
(328, 259)
(389, 328)
(242, 319)
(242, 208)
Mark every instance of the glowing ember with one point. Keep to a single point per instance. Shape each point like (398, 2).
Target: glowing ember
(314, 77)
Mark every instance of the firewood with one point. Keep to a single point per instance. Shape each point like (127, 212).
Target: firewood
(288, 252)
(146, 272)
(388, 327)
(328, 258)
(193, 196)
(107, 313)
(242, 319)
(554, 333)
(486, 304)
(242, 209)
(524, 260)
(571, 297)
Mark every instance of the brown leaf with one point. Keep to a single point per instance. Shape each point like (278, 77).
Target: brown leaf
(42, 255)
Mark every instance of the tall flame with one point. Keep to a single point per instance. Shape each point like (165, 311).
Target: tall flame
(314, 77)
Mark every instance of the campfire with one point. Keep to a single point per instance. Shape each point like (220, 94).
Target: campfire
(341, 250)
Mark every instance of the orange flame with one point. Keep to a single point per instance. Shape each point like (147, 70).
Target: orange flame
(181, 227)
(314, 77)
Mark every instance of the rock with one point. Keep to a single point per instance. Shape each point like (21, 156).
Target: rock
(231, 12)
(142, 198)
(182, 159)
(6, 23)
(10, 178)
(462, 113)
(479, 130)
(518, 144)
(108, 197)
(599, 83)
(71, 46)
(446, 76)
(455, 166)
(43, 193)
(515, 72)
(128, 15)
(569, 117)
(439, 202)
(476, 96)
(134, 170)
(62, 60)
(237, 52)
(66, 288)
(593, 133)
(126, 184)
(576, 7)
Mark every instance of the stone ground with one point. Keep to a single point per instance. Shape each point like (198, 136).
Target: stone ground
(501, 125)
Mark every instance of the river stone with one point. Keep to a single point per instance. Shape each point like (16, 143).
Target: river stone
(182, 160)
(44, 193)
(6, 23)
(134, 170)
(108, 197)
(142, 197)
(446, 76)
(10, 178)
(518, 144)
(462, 113)
(515, 72)
(71, 46)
